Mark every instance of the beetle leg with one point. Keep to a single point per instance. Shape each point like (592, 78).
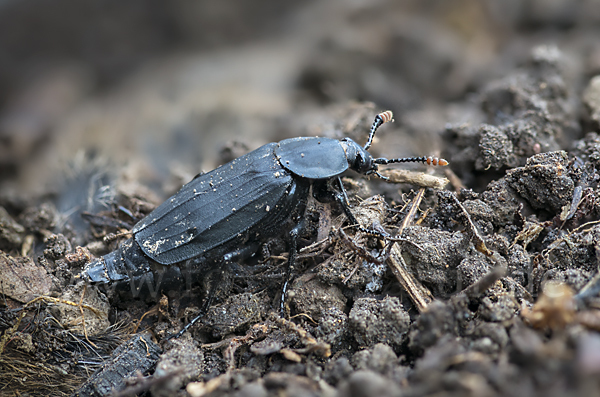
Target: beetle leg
(228, 258)
(342, 199)
(294, 233)
(205, 306)
(325, 194)
(343, 190)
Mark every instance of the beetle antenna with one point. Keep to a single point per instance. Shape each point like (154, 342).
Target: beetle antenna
(380, 119)
(429, 160)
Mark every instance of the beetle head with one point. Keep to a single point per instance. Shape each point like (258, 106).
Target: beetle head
(359, 159)
(362, 162)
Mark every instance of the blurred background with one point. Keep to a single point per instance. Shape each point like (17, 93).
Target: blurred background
(148, 91)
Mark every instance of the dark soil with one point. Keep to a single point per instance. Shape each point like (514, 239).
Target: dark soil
(490, 287)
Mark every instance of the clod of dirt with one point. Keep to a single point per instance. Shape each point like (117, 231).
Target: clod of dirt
(310, 296)
(381, 359)
(544, 181)
(379, 321)
(496, 149)
(138, 355)
(527, 345)
(368, 383)
(11, 232)
(518, 260)
(22, 279)
(434, 256)
(498, 308)
(570, 259)
(284, 384)
(333, 327)
(448, 365)
(273, 343)
(589, 148)
(529, 111)
(471, 269)
(439, 320)
(57, 246)
(184, 358)
(438, 356)
(481, 214)
(35, 219)
(236, 314)
(503, 201)
(336, 371)
(489, 338)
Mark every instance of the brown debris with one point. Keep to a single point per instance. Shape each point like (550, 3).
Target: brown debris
(414, 178)
(554, 309)
(22, 279)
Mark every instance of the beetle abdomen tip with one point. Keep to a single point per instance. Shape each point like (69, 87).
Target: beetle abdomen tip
(96, 272)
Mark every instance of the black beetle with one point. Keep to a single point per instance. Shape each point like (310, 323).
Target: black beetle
(241, 204)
